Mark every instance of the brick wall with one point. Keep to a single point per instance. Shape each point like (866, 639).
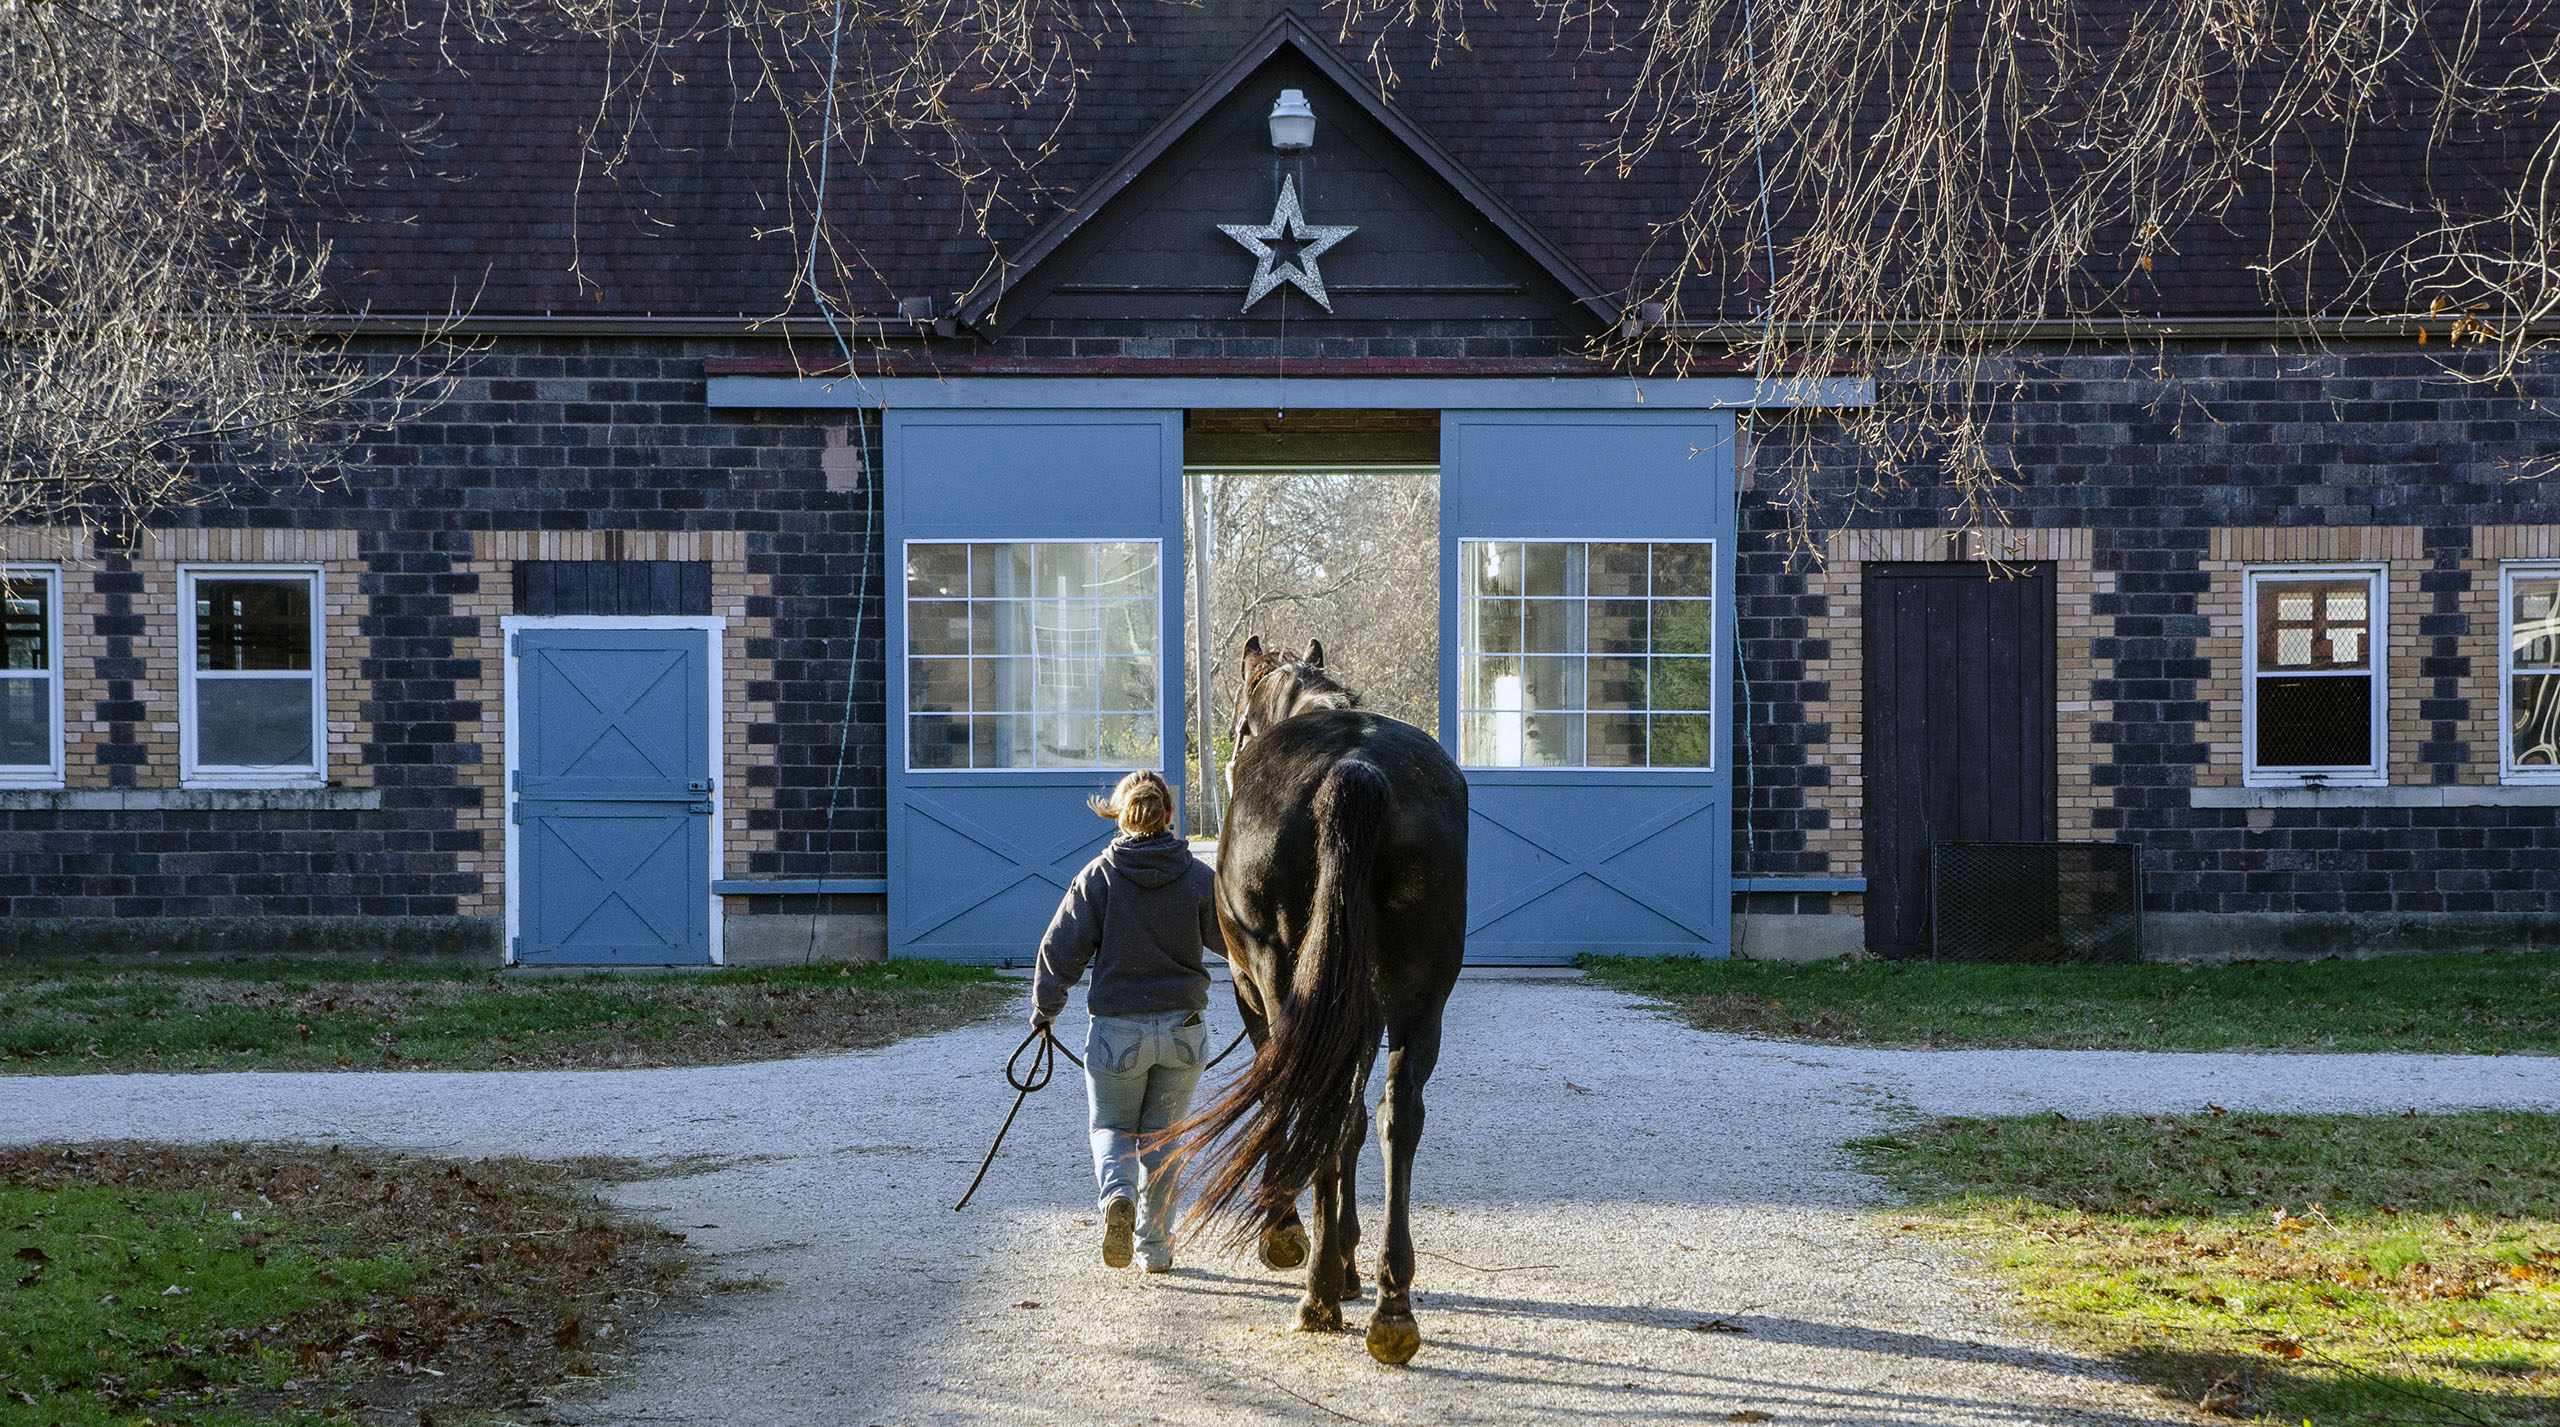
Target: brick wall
(2246, 455)
(540, 442)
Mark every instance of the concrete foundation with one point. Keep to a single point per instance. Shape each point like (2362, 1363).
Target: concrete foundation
(782, 940)
(2309, 936)
(1798, 938)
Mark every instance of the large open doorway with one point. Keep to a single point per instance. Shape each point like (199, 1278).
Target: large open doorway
(1309, 525)
(1581, 587)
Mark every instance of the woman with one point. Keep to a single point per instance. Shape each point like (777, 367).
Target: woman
(1139, 915)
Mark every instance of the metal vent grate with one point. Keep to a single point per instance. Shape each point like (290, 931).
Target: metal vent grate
(2035, 902)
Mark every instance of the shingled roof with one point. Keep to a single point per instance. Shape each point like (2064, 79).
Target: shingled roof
(507, 214)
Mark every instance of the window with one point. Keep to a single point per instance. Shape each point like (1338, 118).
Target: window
(250, 692)
(2314, 703)
(30, 678)
(1034, 654)
(2529, 635)
(1575, 655)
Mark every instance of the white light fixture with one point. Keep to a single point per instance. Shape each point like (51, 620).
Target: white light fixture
(1293, 124)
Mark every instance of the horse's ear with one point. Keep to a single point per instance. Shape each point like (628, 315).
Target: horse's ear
(1315, 654)
(1252, 653)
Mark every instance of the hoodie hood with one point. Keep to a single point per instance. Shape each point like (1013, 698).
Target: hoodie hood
(1151, 861)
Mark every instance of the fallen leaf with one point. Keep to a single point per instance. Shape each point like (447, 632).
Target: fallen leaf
(2282, 1347)
(1751, 1414)
(1577, 1089)
(1028, 1303)
(1716, 1325)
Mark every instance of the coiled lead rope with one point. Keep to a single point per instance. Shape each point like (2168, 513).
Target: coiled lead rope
(1044, 1068)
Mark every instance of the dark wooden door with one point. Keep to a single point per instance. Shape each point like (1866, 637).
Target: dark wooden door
(1959, 726)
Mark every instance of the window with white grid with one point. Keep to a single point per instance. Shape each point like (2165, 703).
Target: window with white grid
(1586, 654)
(1033, 654)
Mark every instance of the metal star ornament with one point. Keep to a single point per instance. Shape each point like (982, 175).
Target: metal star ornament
(1287, 221)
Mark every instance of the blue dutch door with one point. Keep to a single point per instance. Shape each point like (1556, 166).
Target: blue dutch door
(1039, 657)
(614, 797)
(1586, 649)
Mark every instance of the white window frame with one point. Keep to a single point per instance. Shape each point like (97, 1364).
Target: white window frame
(191, 774)
(1716, 652)
(2378, 642)
(2508, 772)
(49, 773)
(904, 710)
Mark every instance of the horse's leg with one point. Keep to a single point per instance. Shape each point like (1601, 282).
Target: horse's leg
(1347, 1290)
(1284, 1244)
(1412, 1051)
(1320, 1311)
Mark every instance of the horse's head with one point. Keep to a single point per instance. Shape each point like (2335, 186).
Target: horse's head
(1278, 686)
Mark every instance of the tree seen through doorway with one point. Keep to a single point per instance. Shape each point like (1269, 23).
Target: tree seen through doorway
(1350, 558)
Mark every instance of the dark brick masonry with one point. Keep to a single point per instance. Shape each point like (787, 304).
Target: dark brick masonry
(592, 434)
(2357, 436)
(539, 435)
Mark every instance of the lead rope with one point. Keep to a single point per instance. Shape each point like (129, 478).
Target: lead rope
(1044, 1067)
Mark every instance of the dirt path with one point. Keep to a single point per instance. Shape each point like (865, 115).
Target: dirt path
(1605, 1231)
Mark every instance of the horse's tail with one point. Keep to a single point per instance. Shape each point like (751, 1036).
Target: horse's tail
(1285, 1119)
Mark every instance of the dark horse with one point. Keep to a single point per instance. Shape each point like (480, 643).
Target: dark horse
(1342, 886)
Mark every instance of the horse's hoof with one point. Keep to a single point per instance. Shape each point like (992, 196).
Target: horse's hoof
(1284, 1247)
(1320, 1318)
(1394, 1341)
(1351, 1289)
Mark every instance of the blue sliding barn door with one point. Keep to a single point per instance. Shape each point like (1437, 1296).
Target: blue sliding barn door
(1035, 656)
(613, 797)
(1586, 594)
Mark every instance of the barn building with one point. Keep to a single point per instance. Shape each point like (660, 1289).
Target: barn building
(667, 638)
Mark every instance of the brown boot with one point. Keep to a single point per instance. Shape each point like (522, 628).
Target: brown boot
(1119, 1230)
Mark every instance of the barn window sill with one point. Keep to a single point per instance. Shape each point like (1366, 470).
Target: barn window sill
(197, 800)
(2423, 796)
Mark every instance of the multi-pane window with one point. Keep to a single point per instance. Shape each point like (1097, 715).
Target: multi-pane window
(2315, 684)
(1586, 655)
(1033, 654)
(251, 695)
(2530, 639)
(30, 677)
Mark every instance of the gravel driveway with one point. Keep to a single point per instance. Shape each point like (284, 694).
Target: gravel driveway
(1602, 1196)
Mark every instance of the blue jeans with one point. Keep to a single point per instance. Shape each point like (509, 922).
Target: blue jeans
(1139, 1072)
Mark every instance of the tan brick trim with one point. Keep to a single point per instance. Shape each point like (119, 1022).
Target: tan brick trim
(496, 597)
(156, 558)
(2401, 551)
(2277, 544)
(496, 556)
(2493, 547)
(1949, 543)
(716, 546)
(44, 545)
(1840, 583)
(193, 547)
(2515, 542)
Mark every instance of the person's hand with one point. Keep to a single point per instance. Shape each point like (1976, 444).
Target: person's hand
(1043, 1020)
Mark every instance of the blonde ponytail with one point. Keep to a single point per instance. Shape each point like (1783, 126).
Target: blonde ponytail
(1142, 804)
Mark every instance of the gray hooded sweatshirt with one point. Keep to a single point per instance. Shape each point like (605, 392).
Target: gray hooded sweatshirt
(1139, 914)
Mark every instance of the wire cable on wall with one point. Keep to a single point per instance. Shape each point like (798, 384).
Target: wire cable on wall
(866, 483)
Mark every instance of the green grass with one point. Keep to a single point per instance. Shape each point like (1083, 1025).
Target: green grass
(2495, 1003)
(232, 1285)
(2342, 1270)
(95, 1333)
(306, 1015)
